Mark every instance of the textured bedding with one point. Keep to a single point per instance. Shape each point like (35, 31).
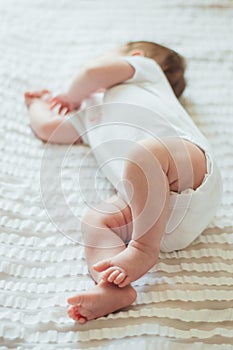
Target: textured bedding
(186, 300)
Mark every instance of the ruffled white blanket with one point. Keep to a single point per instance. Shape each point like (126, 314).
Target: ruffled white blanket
(187, 298)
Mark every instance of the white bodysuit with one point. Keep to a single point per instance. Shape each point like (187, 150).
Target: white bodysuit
(142, 107)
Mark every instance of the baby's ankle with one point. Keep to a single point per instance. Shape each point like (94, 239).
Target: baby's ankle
(144, 247)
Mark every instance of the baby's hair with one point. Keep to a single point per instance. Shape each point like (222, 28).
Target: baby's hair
(172, 64)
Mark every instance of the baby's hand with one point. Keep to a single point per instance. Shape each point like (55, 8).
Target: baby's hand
(31, 96)
(65, 102)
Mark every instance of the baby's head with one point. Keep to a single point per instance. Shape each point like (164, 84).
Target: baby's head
(172, 64)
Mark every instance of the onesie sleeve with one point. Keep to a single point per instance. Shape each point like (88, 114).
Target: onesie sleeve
(146, 69)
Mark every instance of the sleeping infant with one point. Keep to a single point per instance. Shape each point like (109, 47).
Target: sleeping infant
(167, 183)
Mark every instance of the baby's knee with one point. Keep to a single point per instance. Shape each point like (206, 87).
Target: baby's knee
(92, 220)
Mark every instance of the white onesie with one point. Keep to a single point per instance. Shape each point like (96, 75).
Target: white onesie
(145, 106)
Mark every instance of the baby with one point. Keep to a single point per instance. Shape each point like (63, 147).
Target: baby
(170, 184)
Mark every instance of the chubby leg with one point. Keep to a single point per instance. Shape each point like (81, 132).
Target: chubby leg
(154, 169)
(104, 231)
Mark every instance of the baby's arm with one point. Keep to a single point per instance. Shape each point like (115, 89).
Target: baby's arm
(102, 74)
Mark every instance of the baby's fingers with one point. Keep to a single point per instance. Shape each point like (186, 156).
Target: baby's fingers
(63, 110)
(54, 103)
(68, 110)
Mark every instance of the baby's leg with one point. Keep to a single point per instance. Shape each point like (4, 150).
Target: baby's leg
(154, 170)
(103, 236)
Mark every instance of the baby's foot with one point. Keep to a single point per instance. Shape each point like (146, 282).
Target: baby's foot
(128, 265)
(31, 96)
(100, 301)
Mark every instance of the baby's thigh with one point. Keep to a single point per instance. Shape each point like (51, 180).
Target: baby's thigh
(183, 162)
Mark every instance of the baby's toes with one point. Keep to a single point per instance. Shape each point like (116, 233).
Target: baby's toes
(71, 312)
(77, 316)
(113, 276)
(107, 273)
(120, 278)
